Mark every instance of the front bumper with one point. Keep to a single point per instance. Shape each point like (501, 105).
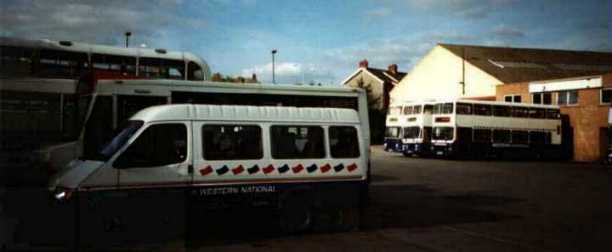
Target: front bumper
(393, 145)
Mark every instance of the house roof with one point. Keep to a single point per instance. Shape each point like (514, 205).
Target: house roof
(380, 74)
(386, 75)
(511, 65)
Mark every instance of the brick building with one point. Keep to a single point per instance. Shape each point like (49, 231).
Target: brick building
(585, 104)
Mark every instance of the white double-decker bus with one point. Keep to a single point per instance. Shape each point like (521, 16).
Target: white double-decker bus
(394, 124)
(464, 128)
(416, 137)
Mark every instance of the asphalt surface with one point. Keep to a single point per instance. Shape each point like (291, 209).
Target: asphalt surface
(458, 205)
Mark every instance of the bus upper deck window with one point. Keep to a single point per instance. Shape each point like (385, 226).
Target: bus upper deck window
(417, 109)
(15, 61)
(464, 108)
(482, 109)
(194, 71)
(408, 110)
(503, 111)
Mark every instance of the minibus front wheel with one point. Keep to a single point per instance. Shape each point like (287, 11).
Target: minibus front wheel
(295, 213)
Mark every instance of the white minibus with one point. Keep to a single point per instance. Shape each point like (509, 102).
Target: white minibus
(173, 164)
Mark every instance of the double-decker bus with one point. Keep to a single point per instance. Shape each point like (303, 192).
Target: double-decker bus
(40, 105)
(393, 129)
(416, 137)
(464, 128)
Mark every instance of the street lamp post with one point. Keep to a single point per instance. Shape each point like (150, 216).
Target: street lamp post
(273, 75)
(127, 38)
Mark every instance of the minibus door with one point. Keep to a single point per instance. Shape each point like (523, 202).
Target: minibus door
(158, 157)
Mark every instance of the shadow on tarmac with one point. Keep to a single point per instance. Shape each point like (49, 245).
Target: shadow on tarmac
(391, 206)
(410, 206)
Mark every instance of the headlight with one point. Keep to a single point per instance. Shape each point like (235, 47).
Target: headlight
(62, 194)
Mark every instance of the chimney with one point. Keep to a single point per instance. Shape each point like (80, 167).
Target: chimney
(254, 77)
(392, 69)
(363, 63)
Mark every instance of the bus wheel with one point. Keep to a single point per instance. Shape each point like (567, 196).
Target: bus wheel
(295, 215)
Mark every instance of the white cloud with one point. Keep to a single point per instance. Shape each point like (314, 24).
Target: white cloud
(290, 73)
(94, 21)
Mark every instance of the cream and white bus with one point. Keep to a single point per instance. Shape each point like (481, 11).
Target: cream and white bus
(465, 128)
(394, 124)
(416, 137)
(184, 163)
(110, 103)
(43, 85)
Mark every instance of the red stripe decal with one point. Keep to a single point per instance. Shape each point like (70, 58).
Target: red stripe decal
(297, 168)
(325, 168)
(268, 169)
(238, 169)
(206, 170)
(352, 167)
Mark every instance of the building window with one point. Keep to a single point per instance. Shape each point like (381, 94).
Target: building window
(567, 97)
(606, 95)
(512, 98)
(541, 98)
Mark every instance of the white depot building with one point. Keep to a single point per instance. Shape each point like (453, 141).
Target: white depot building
(472, 72)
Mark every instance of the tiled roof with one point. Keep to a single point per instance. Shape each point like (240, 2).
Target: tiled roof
(386, 75)
(511, 65)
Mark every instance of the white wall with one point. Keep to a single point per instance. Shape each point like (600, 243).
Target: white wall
(437, 76)
(373, 87)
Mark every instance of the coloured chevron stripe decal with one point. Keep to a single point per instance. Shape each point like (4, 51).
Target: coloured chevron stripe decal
(222, 170)
(253, 169)
(297, 168)
(283, 168)
(207, 170)
(238, 169)
(268, 169)
(325, 168)
(338, 168)
(311, 168)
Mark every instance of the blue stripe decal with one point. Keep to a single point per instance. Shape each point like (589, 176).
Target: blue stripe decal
(253, 169)
(339, 167)
(283, 168)
(311, 168)
(222, 170)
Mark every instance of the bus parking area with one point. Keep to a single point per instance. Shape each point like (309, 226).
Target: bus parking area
(420, 204)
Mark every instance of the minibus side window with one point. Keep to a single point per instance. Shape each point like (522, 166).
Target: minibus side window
(231, 142)
(158, 145)
(343, 142)
(295, 142)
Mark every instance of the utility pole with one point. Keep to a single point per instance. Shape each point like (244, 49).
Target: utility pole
(273, 75)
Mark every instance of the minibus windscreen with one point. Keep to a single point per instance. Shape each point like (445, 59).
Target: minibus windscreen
(119, 140)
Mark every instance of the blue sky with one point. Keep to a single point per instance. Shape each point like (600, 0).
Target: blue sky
(319, 41)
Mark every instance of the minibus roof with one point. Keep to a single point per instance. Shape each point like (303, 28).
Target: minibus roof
(182, 112)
